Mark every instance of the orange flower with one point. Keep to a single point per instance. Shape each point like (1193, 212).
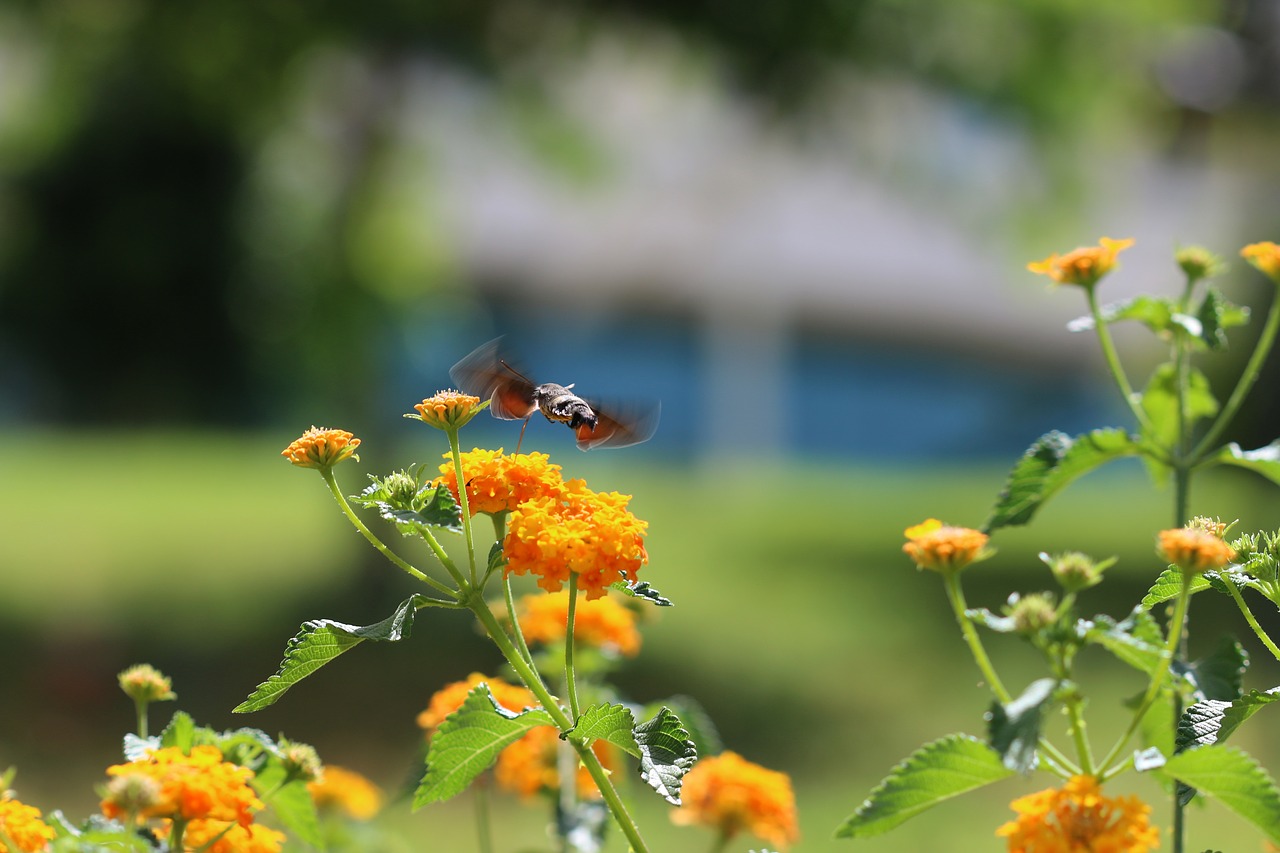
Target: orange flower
(321, 448)
(339, 789)
(531, 765)
(603, 623)
(198, 786)
(21, 824)
(942, 548)
(1193, 550)
(144, 683)
(499, 483)
(1083, 266)
(1078, 819)
(449, 698)
(1264, 256)
(216, 836)
(591, 534)
(447, 410)
(731, 794)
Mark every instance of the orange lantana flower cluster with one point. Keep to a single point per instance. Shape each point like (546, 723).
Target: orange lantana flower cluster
(213, 836)
(346, 791)
(1195, 550)
(603, 623)
(497, 482)
(321, 448)
(1083, 266)
(22, 825)
(1078, 818)
(1266, 257)
(731, 794)
(943, 548)
(447, 410)
(591, 534)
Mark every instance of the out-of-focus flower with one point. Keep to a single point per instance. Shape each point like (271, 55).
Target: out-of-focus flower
(301, 761)
(590, 534)
(943, 548)
(1083, 266)
(447, 410)
(23, 825)
(730, 794)
(531, 764)
(1198, 262)
(1078, 818)
(1075, 571)
(321, 448)
(449, 698)
(144, 683)
(497, 482)
(342, 790)
(1265, 257)
(192, 787)
(603, 623)
(1194, 550)
(215, 836)
(1032, 613)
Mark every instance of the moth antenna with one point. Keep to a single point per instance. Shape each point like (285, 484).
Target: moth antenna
(517, 373)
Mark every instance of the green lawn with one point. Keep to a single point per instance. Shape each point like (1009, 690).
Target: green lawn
(798, 622)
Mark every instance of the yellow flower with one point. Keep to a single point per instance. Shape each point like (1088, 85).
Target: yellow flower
(21, 824)
(942, 548)
(216, 836)
(1194, 550)
(144, 683)
(500, 483)
(1078, 819)
(447, 410)
(321, 448)
(449, 698)
(530, 765)
(591, 534)
(1264, 256)
(1083, 266)
(603, 623)
(340, 789)
(731, 794)
(198, 786)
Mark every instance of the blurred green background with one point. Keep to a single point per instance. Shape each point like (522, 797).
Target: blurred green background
(802, 226)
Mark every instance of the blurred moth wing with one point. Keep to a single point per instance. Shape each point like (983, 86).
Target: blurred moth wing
(488, 376)
(619, 426)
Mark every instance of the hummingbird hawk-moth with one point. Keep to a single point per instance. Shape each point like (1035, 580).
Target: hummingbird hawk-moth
(487, 373)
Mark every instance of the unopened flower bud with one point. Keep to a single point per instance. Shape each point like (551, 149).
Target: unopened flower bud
(144, 683)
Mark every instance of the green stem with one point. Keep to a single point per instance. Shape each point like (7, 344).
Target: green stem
(141, 707)
(484, 835)
(462, 501)
(1113, 360)
(1247, 378)
(956, 595)
(529, 676)
(1077, 725)
(516, 631)
(570, 683)
(327, 474)
(1248, 614)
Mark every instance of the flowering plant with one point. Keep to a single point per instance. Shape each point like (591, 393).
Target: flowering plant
(1188, 708)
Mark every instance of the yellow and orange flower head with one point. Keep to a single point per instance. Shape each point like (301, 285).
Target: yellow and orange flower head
(1264, 256)
(199, 786)
(943, 548)
(730, 794)
(321, 448)
(447, 410)
(449, 698)
(144, 683)
(591, 534)
(531, 765)
(1084, 266)
(497, 482)
(215, 836)
(22, 824)
(602, 623)
(1194, 550)
(1079, 818)
(338, 789)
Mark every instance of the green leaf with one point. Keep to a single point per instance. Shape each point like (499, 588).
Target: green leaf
(696, 721)
(1052, 462)
(1168, 585)
(999, 624)
(1160, 402)
(642, 590)
(1264, 461)
(1154, 312)
(497, 559)
(469, 740)
(938, 771)
(666, 754)
(612, 723)
(1234, 779)
(1136, 641)
(1013, 728)
(1219, 674)
(181, 732)
(291, 802)
(1213, 721)
(136, 748)
(320, 641)
(413, 504)
(1211, 315)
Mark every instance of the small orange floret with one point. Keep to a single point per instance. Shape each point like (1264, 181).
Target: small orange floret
(942, 548)
(447, 409)
(1083, 266)
(321, 448)
(23, 825)
(1193, 550)
(497, 482)
(346, 791)
(730, 794)
(1266, 257)
(1079, 817)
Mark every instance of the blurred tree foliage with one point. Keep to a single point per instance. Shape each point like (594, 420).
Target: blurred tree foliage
(132, 287)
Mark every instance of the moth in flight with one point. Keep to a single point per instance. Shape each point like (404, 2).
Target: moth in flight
(487, 373)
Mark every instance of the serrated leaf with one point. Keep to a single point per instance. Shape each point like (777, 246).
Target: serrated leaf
(1213, 721)
(938, 771)
(1168, 585)
(469, 740)
(612, 723)
(1211, 314)
(497, 558)
(1219, 674)
(1013, 728)
(1234, 779)
(1161, 402)
(666, 754)
(1053, 461)
(1154, 312)
(291, 802)
(696, 721)
(320, 641)
(181, 732)
(642, 590)
(1136, 641)
(432, 507)
(1264, 461)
